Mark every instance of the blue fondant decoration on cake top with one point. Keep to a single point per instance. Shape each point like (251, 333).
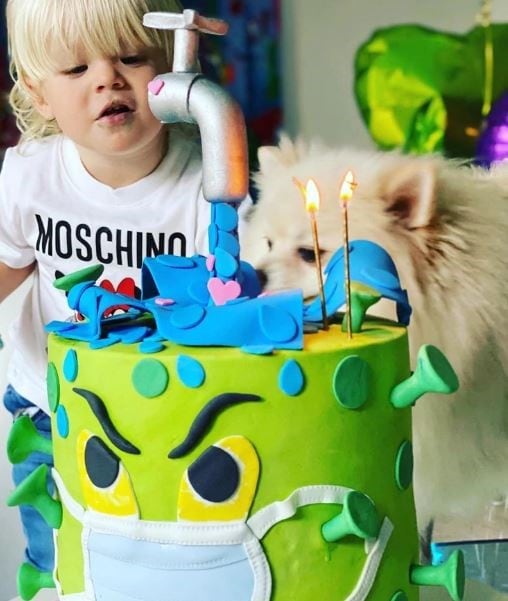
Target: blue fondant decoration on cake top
(369, 264)
(291, 378)
(70, 366)
(190, 371)
(62, 421)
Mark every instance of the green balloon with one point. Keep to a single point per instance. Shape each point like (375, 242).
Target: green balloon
(421, 90)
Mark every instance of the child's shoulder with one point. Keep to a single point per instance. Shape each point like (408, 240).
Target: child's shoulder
(29, 155)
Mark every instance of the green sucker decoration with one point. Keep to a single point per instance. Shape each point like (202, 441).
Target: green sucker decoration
(450, 575)
(30, 581)
(34, 491)
(433, 373)
(359, 517)
(24, 439)
(362, 297)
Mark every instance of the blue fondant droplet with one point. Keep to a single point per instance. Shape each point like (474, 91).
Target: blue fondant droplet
(257, 349)
(225, 264)
(62, 421)
(151, 346)
(291, 379)
(229, 243)
(190, 371)
(187, 317)
(226, 217)
(277, 324)
(133, 335)
(381, 278)
(176, 261)
(70, 366)
(213, 237)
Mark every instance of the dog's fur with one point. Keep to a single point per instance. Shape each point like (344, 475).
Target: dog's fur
(445, 225)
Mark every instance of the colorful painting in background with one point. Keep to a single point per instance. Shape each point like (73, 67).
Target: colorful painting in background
(246, 62)
(8, 132)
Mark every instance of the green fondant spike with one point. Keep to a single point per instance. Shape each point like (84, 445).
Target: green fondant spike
(433, 374)
(88, 274)
(34, 491)
(450, 575)
(31, 581)
(399, 596)
(358, 517)
(362, 297)
(404, 465)
(24, 440)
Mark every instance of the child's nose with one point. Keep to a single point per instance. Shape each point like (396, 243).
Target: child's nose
(108, 76)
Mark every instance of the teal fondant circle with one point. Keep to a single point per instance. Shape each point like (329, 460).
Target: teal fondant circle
(190, 371)
(351, 382)
(62, 421)
(53, 385)
(70, 366)
(150, 378)
(399, 596)
(291, 378)
(404, 465)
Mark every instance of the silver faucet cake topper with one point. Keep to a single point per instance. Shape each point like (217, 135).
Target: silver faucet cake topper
(185, 95)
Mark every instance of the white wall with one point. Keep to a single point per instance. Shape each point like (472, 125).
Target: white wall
(319, 41)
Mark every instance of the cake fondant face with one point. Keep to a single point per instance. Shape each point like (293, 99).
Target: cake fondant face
(221, 494)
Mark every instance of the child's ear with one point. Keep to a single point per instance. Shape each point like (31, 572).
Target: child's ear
(409, 191)
(36, 92)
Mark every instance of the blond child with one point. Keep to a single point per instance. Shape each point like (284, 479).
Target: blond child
(96, 179)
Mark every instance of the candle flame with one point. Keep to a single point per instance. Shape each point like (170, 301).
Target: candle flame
(312, 199)
(348, 186)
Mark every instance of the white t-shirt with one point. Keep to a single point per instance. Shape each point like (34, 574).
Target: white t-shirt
(53, 212)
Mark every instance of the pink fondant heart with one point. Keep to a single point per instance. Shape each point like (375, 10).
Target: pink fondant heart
(210, 262)
(155, 86)
(222, 292)
(164, 302)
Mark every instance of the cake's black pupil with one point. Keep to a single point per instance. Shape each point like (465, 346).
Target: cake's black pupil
(102, 465)
(214, 475)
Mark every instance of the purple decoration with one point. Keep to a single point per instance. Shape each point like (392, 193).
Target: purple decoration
(493, 142)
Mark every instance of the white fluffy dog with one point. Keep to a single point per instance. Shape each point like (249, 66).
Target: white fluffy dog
(446, 228)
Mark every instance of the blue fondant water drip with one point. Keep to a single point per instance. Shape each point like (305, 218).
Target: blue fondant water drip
(226, 217)
(151, 346)
(190, 371)
(62, 421)
(70, 366)
(273, 321)
(291, 378)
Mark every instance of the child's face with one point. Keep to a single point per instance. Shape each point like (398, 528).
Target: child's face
(101, 103)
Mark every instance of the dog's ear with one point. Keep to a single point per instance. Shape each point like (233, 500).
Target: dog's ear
(410, 193)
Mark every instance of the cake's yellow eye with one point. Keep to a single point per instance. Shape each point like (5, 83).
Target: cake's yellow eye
(220, 485)
(104, 480)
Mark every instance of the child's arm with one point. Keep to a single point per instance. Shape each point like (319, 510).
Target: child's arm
(11, 278)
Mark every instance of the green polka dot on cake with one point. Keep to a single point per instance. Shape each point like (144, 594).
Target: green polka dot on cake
(404, 465)
(150, 378)
(351, 382)
(53, 385)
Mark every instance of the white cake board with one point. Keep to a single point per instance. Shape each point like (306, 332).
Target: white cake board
(475, 591)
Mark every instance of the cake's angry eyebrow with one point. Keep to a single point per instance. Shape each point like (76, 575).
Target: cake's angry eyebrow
(204, 418)
(101, 413)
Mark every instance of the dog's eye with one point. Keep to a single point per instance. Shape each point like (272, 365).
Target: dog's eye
(307, 254)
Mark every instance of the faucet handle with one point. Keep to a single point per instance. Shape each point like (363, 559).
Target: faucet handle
(189, 19)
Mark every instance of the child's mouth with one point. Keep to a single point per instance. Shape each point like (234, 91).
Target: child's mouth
(116, 114)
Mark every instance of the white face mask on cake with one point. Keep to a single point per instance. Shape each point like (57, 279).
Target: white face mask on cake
(197, 561)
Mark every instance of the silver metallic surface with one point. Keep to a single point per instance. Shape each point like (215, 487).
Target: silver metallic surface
(189, 97)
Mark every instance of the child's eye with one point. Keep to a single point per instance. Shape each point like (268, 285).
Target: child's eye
(133, 60)
(76, 70)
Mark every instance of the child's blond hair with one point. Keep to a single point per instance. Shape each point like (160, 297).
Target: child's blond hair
(103, 27)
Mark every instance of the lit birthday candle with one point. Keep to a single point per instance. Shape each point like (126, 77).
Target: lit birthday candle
(310, 194)
(346, 193)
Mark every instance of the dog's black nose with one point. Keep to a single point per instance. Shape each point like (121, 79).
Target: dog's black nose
(262, 278)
